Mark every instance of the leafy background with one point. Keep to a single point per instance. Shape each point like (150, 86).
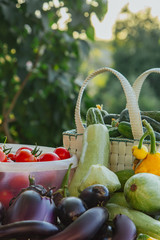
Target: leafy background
(44, 62)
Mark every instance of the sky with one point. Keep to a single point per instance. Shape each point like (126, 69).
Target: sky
(104, 29)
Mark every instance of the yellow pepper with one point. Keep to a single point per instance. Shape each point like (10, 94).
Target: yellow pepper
(140, 151)
(151, 163)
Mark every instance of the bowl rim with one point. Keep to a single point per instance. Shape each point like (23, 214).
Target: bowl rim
(37, 166)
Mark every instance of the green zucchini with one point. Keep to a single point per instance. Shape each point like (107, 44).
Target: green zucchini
(94, 116)
(95, 150)
(123, 176)
(108, 118)
(142, 236)
(119, 198)
(144, 223)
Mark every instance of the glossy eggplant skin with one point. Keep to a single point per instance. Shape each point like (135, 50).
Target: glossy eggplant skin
(2, 212)
(30, 205)
(125, 229)
(84, 227)
(28, 229)
(95, 195)
(69, 209)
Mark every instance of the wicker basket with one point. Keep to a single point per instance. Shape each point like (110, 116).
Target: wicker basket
(120, 149)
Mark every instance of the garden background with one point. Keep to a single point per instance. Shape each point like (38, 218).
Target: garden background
(45, 57)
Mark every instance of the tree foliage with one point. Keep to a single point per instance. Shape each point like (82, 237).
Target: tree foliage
(40, 55)
(135, 49)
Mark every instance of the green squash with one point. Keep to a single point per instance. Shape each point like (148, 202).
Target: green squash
(142, 192)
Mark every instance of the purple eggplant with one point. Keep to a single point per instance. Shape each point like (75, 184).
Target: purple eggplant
(2, 212)
(84, 227)
(125, 228)
(28, 229)
(33, 203)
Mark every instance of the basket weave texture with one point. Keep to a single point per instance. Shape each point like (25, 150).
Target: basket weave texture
(120, 149)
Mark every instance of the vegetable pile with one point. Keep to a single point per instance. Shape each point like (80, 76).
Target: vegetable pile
(98, 204)
(27, 154)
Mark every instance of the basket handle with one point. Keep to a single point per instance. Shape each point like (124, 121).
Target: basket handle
(140, 80)
(132, 104)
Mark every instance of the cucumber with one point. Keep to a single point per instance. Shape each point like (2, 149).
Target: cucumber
(108, 118)
(95, 150)
(144, 223)
(124, 128)
(94, 116)
(113, 132)
(124, 115)
(123, 176)
(142, 192)
(152, 114)
(142, 236)
(119, 198)
(155, 125)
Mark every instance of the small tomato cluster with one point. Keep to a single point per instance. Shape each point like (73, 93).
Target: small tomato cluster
(27, 154)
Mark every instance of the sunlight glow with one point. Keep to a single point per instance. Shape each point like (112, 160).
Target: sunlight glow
(104, 29)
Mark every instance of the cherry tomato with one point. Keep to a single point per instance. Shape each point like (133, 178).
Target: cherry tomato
(5, 197)
(48, 157)
(62, 152)
(25, 155)
(19, 149)
(3, 156)
(17, 181)
(11, 156)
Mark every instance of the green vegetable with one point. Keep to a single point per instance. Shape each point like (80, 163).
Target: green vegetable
(113, 132)
(142, 192)
(155, 125)
(99, 174)
(118, 198)
(108, 118)
(95, 150)
(124, 128)
(142, 236)
(152, 114)
(144, 223)
(94, 116)
(124, 115)
(123, 176)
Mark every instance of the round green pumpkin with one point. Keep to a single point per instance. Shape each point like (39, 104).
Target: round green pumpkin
(142, 192)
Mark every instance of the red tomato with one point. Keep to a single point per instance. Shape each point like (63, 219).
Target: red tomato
(19, 149)
(11, 156)
(5, 197)
(25, 155)
(48, 157)
(3, 156)
(18, 181)
(62, 152)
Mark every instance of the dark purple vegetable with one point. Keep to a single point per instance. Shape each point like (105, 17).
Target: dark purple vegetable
(125, 229)
(28, 229)
(33, 203)
(85, 227)
(105, 233)
(95, 195)
(69, 209)
(2, 212)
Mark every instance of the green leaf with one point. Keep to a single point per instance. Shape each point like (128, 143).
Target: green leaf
(90, 33)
